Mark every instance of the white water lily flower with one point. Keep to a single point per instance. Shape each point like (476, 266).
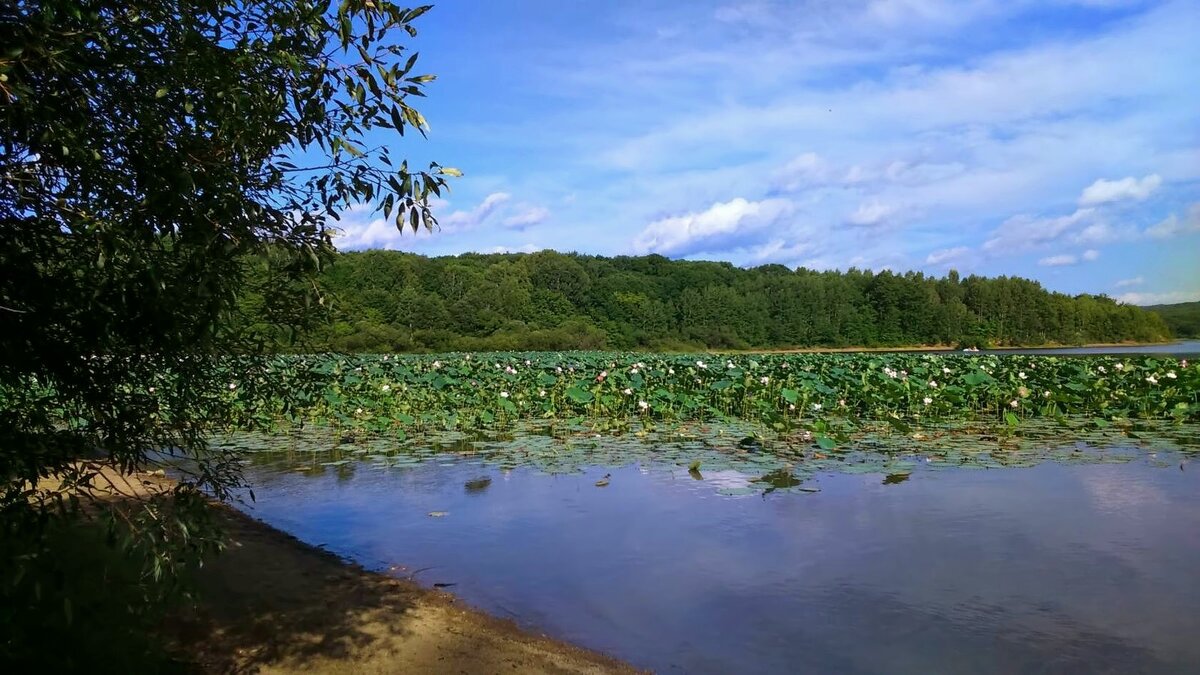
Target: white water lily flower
(232, 386)
(558, 370)
(927, 400)
(764, 379)
(670, 371)
(1120, 366)
(933, 384)
(945, 370)
(643, 405)
(791, 406)
(1014, 403)
(528, 362)
(603, 373)
(1171, 374)
(151, 390)
(1046, 393)
(1101, 369)
(1021, 375)
(633, 371)
(1152, 379)
(358, 411)
(504, 394)
(542, 393)
(816, 406)
(627, 391)
(386, 387)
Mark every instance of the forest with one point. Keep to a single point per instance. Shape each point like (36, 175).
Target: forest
(1182, 318)
(390, 301)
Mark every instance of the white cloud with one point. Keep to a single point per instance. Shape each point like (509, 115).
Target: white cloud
(1023, 232)
(803, 171)
(459, 221)
(870, 214)
(1090, 255)
(946, 256)
(527, 216)
(1058, 260)
(1126, 283)
(1173, 225)
(737, 223)
(527, 248)
(1167, 298)
(1128, 188)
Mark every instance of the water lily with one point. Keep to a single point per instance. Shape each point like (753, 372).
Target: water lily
(232, 386)
(1014, 403)
(816, 406)
(927, 400)
(933, 384)
(1152, 379)
(764, 379)
(1021, 375)
(542, 393)
(386, 387)
(627, 391)
(1171, 374)
(643, 405)
(700, 364)
(791, 406)
(504, 394)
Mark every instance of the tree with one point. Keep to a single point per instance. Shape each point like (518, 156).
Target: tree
(155, 154)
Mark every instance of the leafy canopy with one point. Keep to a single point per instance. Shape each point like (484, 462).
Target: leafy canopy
(152, 152)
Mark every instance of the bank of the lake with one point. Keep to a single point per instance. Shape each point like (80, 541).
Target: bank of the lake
(273, 604)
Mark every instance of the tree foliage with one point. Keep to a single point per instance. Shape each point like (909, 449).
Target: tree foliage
(157, 157)
(392, 301)
(1183, 318)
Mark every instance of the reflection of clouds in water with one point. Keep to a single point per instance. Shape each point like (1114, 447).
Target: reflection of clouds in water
(1114, 490)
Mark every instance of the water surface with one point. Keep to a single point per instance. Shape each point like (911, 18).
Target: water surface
(1056, 568)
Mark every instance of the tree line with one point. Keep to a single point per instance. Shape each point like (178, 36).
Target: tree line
(386, 301)
(1182, 318)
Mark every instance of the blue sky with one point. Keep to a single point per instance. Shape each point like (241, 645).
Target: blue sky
(1051, 139)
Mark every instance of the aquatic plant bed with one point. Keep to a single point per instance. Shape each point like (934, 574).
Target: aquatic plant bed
(830, 396)
(734, 458)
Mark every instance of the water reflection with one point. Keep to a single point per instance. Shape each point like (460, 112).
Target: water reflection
(1054, 568)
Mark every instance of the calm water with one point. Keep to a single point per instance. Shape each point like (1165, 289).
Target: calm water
(1180, 348)
(1080, 568)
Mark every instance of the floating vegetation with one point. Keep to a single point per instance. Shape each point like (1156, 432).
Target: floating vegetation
(829, 396)
(777, 462)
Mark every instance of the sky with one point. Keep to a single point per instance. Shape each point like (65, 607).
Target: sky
(1057, 140)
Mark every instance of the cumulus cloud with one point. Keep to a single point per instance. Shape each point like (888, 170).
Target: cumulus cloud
(1128, 188)
(1166, 298)
(1173, 225)
(1090, 255)
(1023, 232)
(362, 227)
(871, 214)
(737, 223)
(1126, 283)
(527, 216)
(803, 171)
(946, 256)
(459, 221)
(1058, 260)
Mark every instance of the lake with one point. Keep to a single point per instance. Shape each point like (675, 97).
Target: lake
(1089, 563)
(1180, 348)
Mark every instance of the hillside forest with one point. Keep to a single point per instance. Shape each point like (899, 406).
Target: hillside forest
(391, 301)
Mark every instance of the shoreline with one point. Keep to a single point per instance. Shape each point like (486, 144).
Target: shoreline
(271, 603)
(939, 348)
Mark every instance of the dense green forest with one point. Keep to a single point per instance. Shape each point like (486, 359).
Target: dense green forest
(393, 301)
(1183, 318)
